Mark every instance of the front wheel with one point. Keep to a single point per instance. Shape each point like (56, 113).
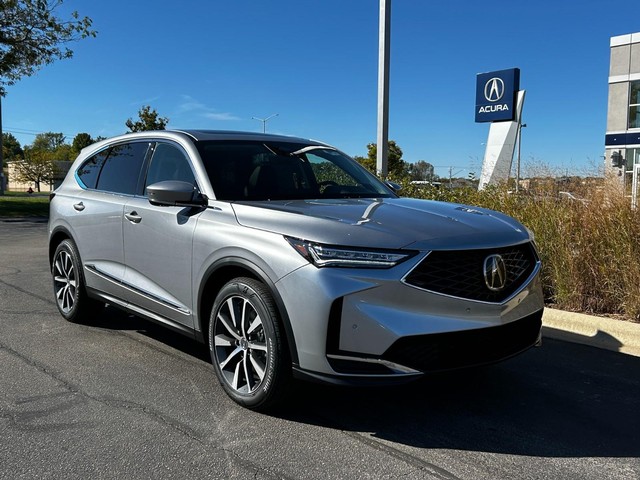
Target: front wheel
(248, 349)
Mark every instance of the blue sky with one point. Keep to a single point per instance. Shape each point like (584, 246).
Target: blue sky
(216, 64)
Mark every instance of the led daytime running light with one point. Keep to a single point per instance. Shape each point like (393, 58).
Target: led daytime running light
(332, 256)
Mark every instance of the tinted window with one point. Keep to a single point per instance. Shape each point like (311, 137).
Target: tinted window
(169, 163)
(122, 168)
(284, 171)
(90, 170)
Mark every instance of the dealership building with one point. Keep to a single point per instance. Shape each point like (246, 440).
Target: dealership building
(622, 141)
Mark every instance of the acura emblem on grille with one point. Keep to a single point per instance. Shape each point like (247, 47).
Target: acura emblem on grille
(495, 273)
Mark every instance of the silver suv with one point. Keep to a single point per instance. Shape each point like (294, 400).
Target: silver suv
(289, 260)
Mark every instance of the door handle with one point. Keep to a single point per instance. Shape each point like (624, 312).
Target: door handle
(133, 217)
(78, 206)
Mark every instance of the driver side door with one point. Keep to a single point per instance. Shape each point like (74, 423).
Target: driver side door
(158, 244)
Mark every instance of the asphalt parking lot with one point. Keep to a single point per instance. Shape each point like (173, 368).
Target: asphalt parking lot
(123, 398)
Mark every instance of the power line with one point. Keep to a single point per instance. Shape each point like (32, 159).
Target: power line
(22, 131)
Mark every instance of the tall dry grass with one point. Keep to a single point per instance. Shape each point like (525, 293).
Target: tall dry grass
(590, 250)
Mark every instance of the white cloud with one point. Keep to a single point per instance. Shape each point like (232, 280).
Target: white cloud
(220, 116)
(192, 106)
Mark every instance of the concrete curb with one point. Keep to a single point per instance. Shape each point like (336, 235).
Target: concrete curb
(600, 332)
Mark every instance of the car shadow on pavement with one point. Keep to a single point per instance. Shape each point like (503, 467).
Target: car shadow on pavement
(561, 400)
(114, 319)
(601, 339)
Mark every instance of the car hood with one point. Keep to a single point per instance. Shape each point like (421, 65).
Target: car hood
(384, 223)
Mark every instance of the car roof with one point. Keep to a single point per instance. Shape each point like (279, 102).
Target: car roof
(202, 135)
(197, 135)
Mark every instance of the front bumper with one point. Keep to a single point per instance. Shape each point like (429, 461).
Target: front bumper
(411, 357)
(354, 326)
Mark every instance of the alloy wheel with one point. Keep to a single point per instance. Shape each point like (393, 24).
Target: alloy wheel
(240, 344)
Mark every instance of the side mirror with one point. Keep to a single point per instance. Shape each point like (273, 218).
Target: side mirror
(393, 186)
(175, 193)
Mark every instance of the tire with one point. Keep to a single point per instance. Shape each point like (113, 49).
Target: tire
(247, 345)
(69, 287)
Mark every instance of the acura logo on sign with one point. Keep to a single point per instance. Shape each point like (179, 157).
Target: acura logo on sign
(494, 89)
(495, 273)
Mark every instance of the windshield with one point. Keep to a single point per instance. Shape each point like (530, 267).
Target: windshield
(254, 170)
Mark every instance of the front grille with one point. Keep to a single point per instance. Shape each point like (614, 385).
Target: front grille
(448, 351)
(460, 273)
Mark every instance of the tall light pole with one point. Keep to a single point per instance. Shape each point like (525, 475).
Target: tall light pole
(264, 121)
(1, 174)
(520, 127)
(383, 88)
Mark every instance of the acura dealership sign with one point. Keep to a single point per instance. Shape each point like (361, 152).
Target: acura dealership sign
(496, 95)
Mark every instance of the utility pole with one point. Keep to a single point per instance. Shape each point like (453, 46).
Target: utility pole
(384, 35)
(2, 180)
(451, 176)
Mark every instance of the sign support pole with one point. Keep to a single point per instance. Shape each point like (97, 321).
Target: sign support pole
(501, 143)
(2, 179)
(383, 89)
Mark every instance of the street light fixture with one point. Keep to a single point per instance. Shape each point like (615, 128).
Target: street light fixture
(264, 121)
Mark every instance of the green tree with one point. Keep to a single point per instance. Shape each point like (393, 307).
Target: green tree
(32, 35)
(64, 153)
(48, 141)
(421, 171)
(396, 166)
(11, 149)
(38, 166)
(81, 141)
(148, 120)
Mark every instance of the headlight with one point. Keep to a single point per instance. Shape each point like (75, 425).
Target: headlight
(334, 256)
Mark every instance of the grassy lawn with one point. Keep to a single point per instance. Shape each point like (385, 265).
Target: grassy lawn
(18, 204)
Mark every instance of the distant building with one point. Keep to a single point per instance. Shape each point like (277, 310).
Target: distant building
(14, 185)
(622, 140)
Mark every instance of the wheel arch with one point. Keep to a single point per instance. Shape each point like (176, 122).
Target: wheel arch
(57, 236)
(225, 270)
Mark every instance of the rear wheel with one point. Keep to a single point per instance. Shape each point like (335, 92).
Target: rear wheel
(69, 287)
(247, 345)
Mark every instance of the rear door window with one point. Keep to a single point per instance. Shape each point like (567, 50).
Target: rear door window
(121, 170)
(89, 172)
